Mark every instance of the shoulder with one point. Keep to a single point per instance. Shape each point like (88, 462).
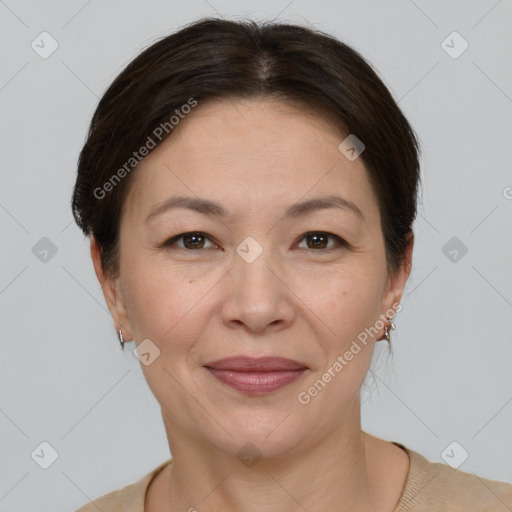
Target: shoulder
(128, 499)
(433, 486)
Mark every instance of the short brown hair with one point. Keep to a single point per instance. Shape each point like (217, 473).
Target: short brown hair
(213, 58)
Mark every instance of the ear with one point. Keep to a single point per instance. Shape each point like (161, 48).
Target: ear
(396, 281)
(112, 292)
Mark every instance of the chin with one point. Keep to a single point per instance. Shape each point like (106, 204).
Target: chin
(260, 433)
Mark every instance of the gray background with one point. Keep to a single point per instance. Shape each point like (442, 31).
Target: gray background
(64, 378)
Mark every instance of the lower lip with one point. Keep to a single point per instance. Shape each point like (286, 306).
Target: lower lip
(257, 383)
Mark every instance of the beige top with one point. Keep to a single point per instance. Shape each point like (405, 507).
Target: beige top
(430, 486)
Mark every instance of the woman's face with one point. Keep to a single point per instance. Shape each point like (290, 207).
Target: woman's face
(250, 283)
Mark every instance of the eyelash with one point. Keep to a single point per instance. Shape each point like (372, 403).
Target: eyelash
(341, 242)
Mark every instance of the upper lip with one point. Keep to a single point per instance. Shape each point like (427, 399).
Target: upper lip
(255, 364)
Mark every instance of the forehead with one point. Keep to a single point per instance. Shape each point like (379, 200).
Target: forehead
(243, 152)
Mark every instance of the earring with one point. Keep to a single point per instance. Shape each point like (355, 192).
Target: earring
(121, 339)
(390, 327)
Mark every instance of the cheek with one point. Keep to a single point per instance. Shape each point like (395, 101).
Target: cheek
(166, 308)
(347, 301)
(162, 302)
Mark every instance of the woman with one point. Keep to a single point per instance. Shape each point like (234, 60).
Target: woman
(250, 190)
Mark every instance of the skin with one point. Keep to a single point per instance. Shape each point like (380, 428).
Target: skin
(256, 158)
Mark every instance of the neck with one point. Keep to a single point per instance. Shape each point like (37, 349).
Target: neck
(338, 472)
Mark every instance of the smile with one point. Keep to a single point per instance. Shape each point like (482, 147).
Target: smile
(256, 376)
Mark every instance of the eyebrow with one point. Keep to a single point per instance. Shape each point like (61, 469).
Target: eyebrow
(211, 208)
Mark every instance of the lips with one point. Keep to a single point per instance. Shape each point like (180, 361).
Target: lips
(253, 364)
(256, 376)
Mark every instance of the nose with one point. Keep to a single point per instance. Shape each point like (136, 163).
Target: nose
(258, 297)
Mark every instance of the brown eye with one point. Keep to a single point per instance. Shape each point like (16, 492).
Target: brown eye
(192, 241)
(317, 241)
(320, 240)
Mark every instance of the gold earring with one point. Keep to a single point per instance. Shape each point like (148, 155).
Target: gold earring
(390, 327)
